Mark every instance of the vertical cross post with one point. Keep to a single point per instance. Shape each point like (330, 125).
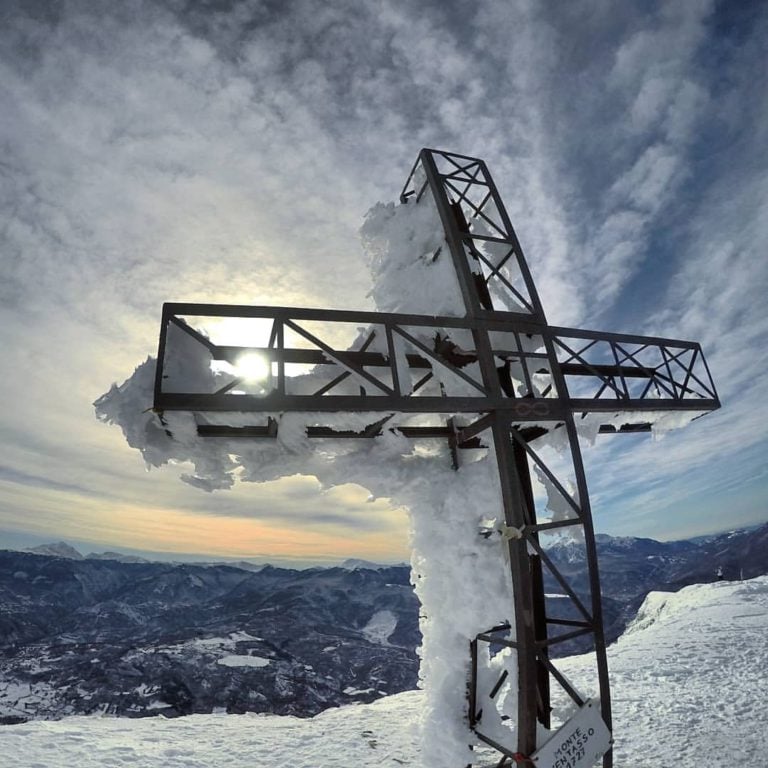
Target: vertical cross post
(519, 512)
(533, 696)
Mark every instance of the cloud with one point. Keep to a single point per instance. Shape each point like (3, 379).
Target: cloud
(9, 475)
(228, 153)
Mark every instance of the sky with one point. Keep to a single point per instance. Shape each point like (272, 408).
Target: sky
(228, 152)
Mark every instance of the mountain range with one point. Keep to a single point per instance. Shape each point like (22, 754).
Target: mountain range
(82, 635)
(688, 681)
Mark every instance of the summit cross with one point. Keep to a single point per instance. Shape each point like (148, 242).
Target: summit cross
(492, 375)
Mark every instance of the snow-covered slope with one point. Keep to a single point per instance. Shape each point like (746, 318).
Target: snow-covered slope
(690, 678)
(689, 682)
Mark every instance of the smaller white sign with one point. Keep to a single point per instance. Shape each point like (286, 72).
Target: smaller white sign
(579, 743)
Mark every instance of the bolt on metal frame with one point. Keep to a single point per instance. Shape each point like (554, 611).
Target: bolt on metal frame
(399, 367)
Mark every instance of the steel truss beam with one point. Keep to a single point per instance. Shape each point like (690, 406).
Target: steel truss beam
(515, 381)
(672, 374)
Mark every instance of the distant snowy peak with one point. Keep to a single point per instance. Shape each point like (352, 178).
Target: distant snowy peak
(64, 550)
(353, 564)
(643, 544)
(68, 552)
(616, 541)
(57, 549)
(120, 558)
(728, 534)
(243, 565)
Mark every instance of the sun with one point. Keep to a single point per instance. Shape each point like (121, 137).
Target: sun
(252, 367)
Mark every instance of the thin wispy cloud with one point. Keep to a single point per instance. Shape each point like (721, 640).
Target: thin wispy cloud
(228, 152)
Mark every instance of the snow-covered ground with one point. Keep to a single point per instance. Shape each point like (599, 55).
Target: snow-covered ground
(690, 687)
(690, 679)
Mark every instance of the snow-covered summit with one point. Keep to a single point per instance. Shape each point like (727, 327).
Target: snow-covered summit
(689, 680)
(57, 549)
(68, 552)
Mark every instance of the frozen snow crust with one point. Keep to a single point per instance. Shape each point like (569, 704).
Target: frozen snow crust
(690, 681)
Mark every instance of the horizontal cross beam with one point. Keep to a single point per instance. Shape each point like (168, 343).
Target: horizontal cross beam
(597, 369)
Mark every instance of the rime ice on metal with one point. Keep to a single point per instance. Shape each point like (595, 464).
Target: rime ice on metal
(458, 370)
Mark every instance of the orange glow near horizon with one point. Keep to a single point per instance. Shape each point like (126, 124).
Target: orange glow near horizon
(173, 531)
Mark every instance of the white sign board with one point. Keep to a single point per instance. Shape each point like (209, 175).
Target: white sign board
(579, 743)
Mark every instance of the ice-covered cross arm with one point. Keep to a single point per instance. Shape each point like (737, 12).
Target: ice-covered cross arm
(408, 364)
(457, 369)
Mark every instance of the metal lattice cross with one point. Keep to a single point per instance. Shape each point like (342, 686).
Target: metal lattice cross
(515, 381)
